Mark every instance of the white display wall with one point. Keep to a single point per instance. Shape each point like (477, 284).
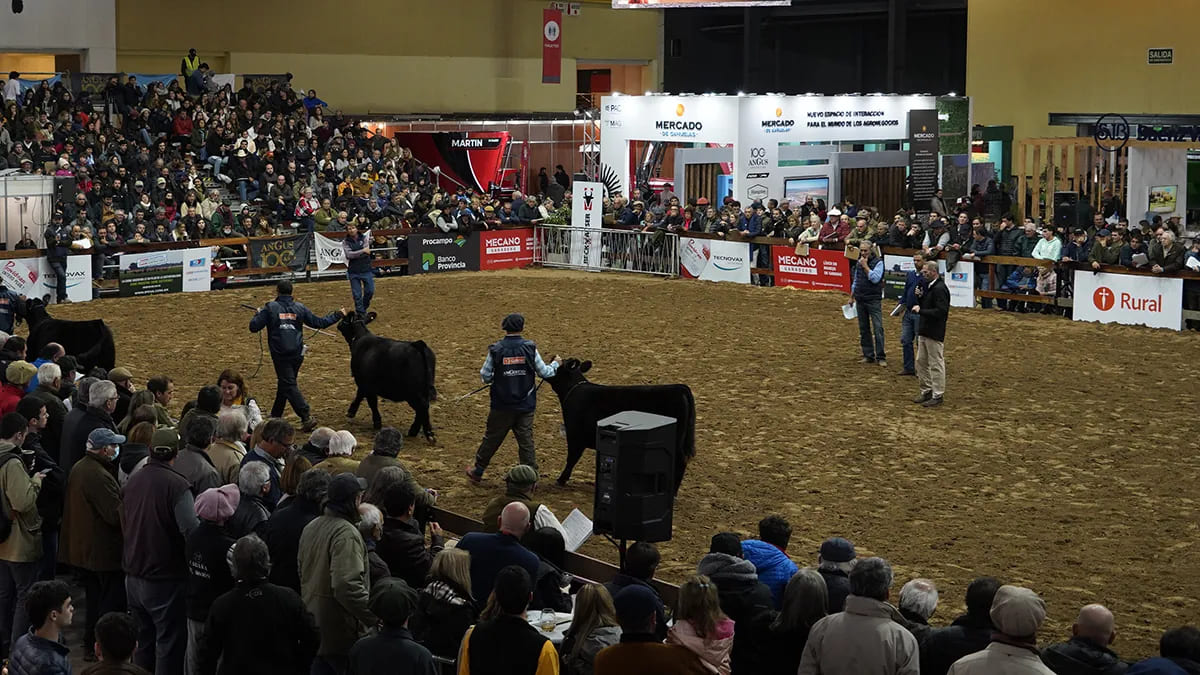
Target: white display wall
(1151, 168)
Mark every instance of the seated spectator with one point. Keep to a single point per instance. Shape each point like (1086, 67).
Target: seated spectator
(341, 446)
(228, 448)
(393, 649)
(316, 448)
(863, 638)
(775, 641)
(1017, 613)
(768, 553)
(640, 651)
(520, 483)
(491, 553)
(389, 441)
(967, 634)
(1103, 251)
(641, 561)
(402, 544)
(1087, 652)
(1167, 257)
(116, 638)
(835, 562)
(701, 626)
(370, 526)
(388, 476)
(282, 532)
(208, 572)
(1135, 247)
(235, 397)
(257, 627)
(40, 650)
(551, 586)
(254, 482)
(918, 601)
(593, 627)
(508, 636)
(445, 608)
(743, 597)
(208, 404)
(1179, 650)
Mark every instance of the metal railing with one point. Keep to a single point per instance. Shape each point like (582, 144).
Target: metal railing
(597, 249)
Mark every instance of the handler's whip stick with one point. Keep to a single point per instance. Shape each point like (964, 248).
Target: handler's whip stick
(471, 393)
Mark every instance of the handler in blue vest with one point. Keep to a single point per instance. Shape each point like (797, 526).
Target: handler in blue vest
(357, 248)
(511, 368)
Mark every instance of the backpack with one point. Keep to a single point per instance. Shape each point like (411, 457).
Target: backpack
(6, 517)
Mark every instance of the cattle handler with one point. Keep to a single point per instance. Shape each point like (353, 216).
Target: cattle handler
(510, 368)
(285, 319)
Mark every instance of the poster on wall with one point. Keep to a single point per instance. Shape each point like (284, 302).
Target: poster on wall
(1163, 198)
(429, 253)
(922, 158)
(290, 251)
(1129, 299)
(714, 260)
(503, 249)
(960, 281)
(20, 275)
(551, 46)
(586, 205)
(820, 270)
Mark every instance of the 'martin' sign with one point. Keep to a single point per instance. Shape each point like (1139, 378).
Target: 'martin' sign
(1129, 299)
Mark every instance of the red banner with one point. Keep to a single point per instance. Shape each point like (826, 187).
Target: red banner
(551, 46)
(502, 249)
(819, 270)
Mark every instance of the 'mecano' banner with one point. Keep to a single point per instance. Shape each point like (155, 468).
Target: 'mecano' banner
(551, 46)
(820, 270)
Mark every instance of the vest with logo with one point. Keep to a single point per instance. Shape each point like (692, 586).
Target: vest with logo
(513, 376)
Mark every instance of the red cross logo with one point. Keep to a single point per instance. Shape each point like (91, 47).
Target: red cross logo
(1103, 298)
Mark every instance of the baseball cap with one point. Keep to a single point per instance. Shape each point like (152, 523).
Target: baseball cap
(344, 486)
(1103, 233)
(104, 436)
(837, 549)
(393, 601)
(635, 604)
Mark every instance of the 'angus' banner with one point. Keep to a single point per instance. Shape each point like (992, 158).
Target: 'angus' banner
(291, 251)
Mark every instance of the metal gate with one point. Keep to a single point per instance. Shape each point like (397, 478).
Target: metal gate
(619, 250)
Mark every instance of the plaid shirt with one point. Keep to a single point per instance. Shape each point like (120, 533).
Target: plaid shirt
(33, 655)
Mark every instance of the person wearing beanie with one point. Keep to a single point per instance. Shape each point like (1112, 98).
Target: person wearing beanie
(16, 378)
(520, 483)
(393, 649)
(125, 390)
(641, 651)
(208, 572)
(334, 572)
(834, 562)
(1016, 613)
(512, 367)
(341, 446)
(742, 594)
(91, 536)
(159, 499)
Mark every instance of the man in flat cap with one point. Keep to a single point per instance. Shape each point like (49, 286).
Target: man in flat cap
(511, 367)
(1017, 613)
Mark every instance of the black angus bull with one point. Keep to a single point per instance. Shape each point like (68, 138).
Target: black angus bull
(395, 370)
(584, 403)
(90, 342)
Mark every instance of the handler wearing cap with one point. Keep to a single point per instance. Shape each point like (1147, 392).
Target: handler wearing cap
(1017, 613)
(511, 367)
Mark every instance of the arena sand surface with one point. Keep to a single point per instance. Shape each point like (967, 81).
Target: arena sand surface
(1064, 459)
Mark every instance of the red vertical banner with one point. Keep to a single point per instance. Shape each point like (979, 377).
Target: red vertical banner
(551, 46)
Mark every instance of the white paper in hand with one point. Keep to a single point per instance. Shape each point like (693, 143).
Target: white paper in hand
(577, 528)
(1193, 264)
(850, 311)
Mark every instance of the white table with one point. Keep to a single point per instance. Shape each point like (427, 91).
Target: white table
(562, 623)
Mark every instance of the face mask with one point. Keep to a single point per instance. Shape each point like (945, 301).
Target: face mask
(116, 452)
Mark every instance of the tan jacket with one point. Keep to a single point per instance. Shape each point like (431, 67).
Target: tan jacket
(335, 465)
(227, 458)
(862, 640)
(24, 544)
(1001, 659)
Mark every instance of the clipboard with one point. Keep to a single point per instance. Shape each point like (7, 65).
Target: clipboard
(852, 252)
(802, 249)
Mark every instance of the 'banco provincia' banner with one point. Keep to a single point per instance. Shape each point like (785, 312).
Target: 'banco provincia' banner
(820, 270)
(33, 277)
(960, 281)
(187, 270)
(714, 260)
(448, 252)
(586, 208)
(1128, 299)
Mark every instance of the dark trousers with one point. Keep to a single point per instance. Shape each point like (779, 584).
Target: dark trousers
(161, 613)
(330, 664)
(60, 274)
(287, 390)
(870, 315)
(1002, 272)
(910, 323)
(499, 423)
(15, 580)
(49, 555)
(105, 593)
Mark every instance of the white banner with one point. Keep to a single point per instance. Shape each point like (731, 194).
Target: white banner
(960, 281)
(79, 278)
(1128, 299)
(330, 251)
(20, 275)
(586, 207)
(714, 260)
(197, 269)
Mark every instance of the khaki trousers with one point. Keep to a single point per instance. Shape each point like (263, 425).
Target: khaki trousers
(931, 366)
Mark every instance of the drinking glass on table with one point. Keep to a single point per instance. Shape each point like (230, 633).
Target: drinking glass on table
(548, 621)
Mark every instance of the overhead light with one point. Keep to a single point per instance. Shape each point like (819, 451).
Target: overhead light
(953, 94)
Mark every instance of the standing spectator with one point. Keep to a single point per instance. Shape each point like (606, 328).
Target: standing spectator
(275, 442)
(910, 322)
(193, 462)
(835, 561)
(768, 553)
(491, 553)
(316, 448)
(393, 649)
(1049, 247)
(594, 627)
(388, 443)
(17, 375)
(967, 634)
(91, 529)
(1087, 652)
(334, 576)
(189, 64)
(863, 639)
(1017, 614)
(701, 626)
(866, 292)
(931, 360)
(402, 545)
(1007, 240)
(208, 404)
(257, 627)
(744, 598)
(40, 650)
(918, 601)
(508, 636)
(445, 608)
(159, 499)
(937, 205)
(101, 402)
(641, 651)
(286, 524)
(234, 396)
(208, 572)
(49, 382)
(163, 389)
(228, 448)
(370, 526)
(251, 514)
(54, 483)
(641, 561)
(21, 552)
(124, 381)
(116, 638)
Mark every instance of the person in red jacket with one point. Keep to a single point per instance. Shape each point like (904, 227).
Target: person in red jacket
(16, 376)
(181, 128)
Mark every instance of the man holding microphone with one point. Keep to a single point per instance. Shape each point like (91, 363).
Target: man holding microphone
(866, 291)
(910, 321)
(933, 310)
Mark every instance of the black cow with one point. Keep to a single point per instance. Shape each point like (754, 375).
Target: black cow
(395, 370)
(584, 403)
(90, 342)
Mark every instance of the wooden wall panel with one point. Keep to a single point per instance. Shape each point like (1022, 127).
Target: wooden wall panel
(882, 188)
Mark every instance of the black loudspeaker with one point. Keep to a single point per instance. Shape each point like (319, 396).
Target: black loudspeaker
(64, 189)
(635, 476)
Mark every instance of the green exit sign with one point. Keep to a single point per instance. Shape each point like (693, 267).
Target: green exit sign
(1162, 56)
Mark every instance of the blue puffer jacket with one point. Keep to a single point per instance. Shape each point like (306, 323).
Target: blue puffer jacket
(774, 567)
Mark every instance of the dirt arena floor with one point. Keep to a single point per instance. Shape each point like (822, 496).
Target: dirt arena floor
(1065, 457)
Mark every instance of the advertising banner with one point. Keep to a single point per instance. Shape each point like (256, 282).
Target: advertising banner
(895, 275)
(290, 251)
(150, 273)
(1129, 299)
(20, 275)
(551, 46)
(330, 251)
(79, 278)
(502, 249)
(471, 158)
(587, 199)
(197, 269)
(714, 260)
(429, 253)
(820, 270)
(960, 281)
(922, 157)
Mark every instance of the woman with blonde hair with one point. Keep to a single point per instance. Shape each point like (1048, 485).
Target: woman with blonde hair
(341, 446)
(593, 628)
(701, 626)
(445, 608)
